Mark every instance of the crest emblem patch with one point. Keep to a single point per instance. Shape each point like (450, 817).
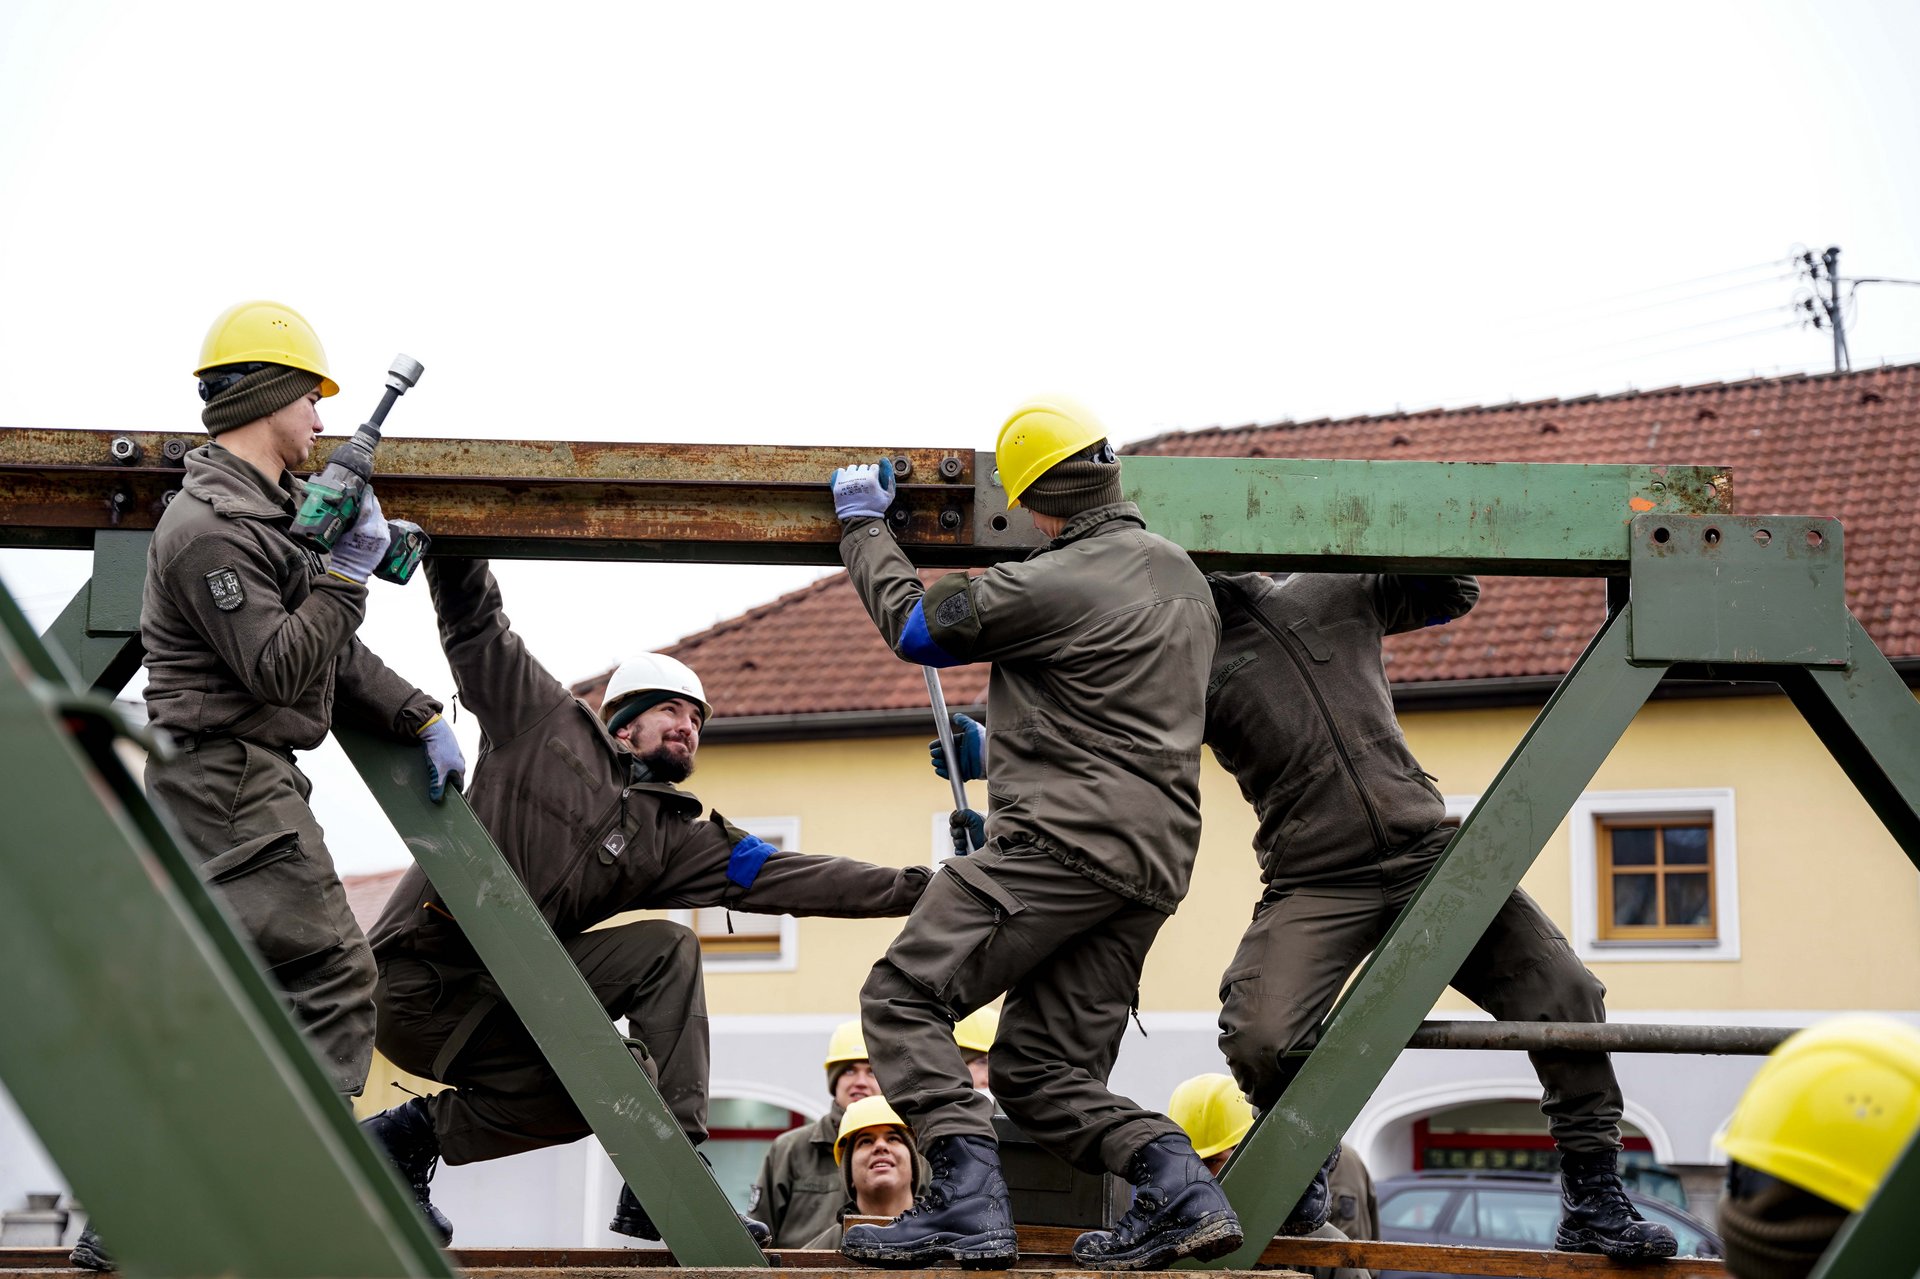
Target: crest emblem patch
(224, 585)
(954, 609)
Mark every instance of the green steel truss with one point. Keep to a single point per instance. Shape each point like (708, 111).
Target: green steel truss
(1702, 592)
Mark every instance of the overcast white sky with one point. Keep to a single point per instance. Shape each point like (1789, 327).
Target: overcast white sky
(887, 224)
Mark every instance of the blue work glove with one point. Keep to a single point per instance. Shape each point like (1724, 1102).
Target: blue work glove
(969, 743)
(969, 831)
(860, 491)
(362, 547)
(446, 766)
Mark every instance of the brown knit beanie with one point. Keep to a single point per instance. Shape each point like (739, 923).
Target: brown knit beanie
(267, 389)
(1078, 483)
(1773, 1230)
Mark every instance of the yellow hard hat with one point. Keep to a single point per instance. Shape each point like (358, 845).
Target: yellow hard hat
(974, 1032)
(268, 333)
(1831, 1108)
(868, 1112)
(1212, 1111)
(847, 1045)
(1040, 433)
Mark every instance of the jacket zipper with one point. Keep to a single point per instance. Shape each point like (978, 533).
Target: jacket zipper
(1290, 645)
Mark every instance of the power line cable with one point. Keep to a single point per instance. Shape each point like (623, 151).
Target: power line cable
(1689, 328)
(1571, 321)
(1774, 265)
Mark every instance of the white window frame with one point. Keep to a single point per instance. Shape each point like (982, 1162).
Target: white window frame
(942, 837)
(784, 831)
(1581, 820)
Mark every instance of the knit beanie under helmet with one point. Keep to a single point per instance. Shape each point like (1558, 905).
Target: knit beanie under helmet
(1773, 1230)
(267, 389)
(1077, 484)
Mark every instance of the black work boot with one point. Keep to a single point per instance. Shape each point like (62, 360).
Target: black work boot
(406, 1134)
(89, 1253)
(1597, 1216)
(1178, 1211)
(1316, 1202)
(963, 1215)
(629, 1218)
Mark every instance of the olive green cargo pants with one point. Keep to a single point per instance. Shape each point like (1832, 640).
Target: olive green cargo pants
(1307, 938)
(506, 1098)
(243, 810)
(1068, 953)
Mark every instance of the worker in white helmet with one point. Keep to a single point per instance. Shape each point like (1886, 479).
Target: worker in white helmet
(586, 808)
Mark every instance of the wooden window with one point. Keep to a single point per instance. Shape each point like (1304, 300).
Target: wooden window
(1656, 877)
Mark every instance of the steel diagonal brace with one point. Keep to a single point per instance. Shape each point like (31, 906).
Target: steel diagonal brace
(1501, 837)
(143, 1044)
(556, 1005)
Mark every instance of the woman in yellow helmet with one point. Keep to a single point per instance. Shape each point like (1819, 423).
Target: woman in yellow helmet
(879, 1165)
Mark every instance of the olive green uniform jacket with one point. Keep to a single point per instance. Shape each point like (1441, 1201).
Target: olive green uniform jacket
(1300, 712)
(247, 634)
(560, 797)
(1101, 642)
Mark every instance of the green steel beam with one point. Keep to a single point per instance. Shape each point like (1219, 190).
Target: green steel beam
(1869, 720)
(1515, 518)
(1483, 864)
(1877, 1242)
(143, 1044)
(539, 979)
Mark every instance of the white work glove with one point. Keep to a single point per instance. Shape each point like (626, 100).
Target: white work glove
(862, 491)
(362, 547)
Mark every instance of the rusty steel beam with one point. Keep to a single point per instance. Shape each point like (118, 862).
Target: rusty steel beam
(507, 498)
(768, 503)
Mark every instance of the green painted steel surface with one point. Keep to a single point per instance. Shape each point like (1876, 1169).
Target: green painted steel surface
(1739, 589)
(1489, 517)
(1869, 720)
(104, 614)
(1878, 1241)
(1506, 830)
(553, 1000)
(143, 1044)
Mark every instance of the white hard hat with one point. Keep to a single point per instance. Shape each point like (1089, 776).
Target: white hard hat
(653, 673)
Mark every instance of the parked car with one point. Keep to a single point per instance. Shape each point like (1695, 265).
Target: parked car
(1503, 1210)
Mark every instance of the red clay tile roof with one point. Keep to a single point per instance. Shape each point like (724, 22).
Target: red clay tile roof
(367, 895)
(1846, 445)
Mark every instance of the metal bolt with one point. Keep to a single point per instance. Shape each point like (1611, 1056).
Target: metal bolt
(898, 516)
(949, 519)
(173, 450)
(166, 498)
(124, 450)
(950, 468)
(902, 467)
(117, 502)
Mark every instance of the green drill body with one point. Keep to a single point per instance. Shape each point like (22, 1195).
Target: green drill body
(334, 496)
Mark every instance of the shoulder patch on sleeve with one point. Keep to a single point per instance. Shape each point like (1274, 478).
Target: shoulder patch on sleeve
(954, 609)
(224, 585)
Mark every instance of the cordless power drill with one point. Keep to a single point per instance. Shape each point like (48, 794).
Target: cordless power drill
(334, 496)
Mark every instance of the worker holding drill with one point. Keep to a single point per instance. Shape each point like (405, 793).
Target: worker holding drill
(1100, 644)
(250, 654)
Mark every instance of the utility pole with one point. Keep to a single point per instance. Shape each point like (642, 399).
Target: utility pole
(1830, 262)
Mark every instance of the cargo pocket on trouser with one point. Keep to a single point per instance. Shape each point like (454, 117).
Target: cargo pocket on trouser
(277, 895)
(944, 947)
